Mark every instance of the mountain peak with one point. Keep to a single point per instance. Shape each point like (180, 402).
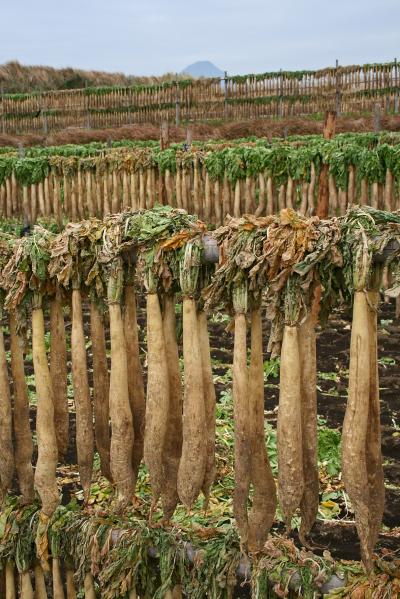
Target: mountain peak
(203, 68)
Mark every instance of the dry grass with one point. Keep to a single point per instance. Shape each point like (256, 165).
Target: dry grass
(17, 78)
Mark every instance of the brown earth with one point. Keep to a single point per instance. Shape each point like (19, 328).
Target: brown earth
(268, 127)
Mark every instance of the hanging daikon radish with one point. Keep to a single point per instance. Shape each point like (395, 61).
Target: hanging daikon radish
(193, 462)
(173, 437)
(22, 429)
(101, 388)
(262, 513)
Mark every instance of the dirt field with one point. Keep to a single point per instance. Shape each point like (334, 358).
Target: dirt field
(204, 131)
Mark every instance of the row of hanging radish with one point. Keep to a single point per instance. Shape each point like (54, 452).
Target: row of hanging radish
(172, 425)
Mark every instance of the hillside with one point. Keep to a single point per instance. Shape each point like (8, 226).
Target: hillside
(17, 78)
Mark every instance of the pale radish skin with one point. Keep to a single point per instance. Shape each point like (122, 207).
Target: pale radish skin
(122, 436)
(225, 197)
(134, 197)
(311, 190)
(101, 387)
(177, 592)
(157, 396)
(10, 581)
(22, 429)
(375, 472)
(207, 199)
(289, 433)
(58, 591)
(33, 202)
(58, 373)
(262, 513)
(90, 592)
(303, 205)
(25, 204)
(57, 200)
(8, 198)
(45, 473)
(247, 197)
(184, 186)
(97, 201)
(142, 188)
(70, 583)
(192, 466)
(342, 198)
(47, 201)
(270, 196)
(26, 586)
(355, 425)
(308, 370)
(364, 192)
(333, 195)
(3, 207)
(83, 406)
(196, 184)
(106, 201)
(115, 202)
(217, 203)
(178, 189)
(40, 585)
(74, 209)
(261, 208)
(173, 438)
(375, 195)
(209, 403)
(42, 208)
(289, 193)
(14, 196)
(135, 376)
(282, 197)
(149, 190)
(388, 196)
(67, 202)
(351, 185)
(168, 188)
(242, 445)
(125, 190)
(6, 444)
(89, 195)
(236, 205)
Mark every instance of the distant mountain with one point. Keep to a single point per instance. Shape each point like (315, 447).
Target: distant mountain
(203, 68)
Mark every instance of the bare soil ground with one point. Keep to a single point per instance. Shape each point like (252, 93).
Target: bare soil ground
(268, 127)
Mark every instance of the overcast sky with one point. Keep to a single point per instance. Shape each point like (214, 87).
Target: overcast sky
(154, 36)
